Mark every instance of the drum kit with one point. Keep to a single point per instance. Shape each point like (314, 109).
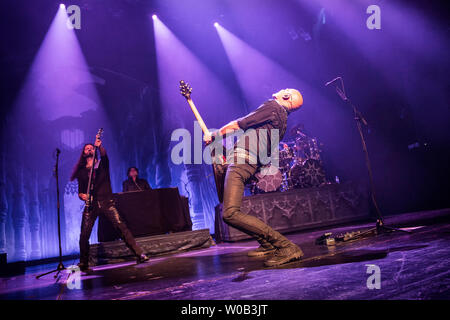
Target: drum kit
(300, 166)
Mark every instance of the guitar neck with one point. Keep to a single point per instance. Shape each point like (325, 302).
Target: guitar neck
(91, 173)
(198, 116)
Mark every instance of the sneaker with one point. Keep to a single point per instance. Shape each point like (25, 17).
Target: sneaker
(261, 251)
(284, 255)
(142, 258)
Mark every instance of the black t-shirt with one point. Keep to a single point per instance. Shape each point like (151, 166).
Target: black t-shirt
(102, 180)
(270, 115)
(138, 185)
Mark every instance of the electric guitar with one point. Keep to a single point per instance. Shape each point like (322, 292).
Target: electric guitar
(90, 188)
(219, 161)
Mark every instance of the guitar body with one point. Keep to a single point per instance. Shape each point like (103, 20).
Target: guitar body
(219, 169)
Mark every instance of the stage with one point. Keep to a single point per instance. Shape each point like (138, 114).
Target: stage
(412, 266)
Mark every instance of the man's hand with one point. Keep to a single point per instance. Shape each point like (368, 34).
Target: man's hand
(208, 138)
(83, 196)
(98, 142)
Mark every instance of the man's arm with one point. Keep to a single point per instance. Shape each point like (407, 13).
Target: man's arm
(102, 151)
(263, 114)
(98, 144)
(103, 155)
(228, 128)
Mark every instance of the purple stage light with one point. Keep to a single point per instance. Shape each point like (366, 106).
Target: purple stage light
(346, 17)
(216, 24)
(58, 71)
(62, 6)
(58, 92)
(216, 104)
(176, 62)
(154, 17)
(258, 76)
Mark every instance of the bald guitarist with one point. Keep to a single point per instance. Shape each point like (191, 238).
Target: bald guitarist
(271, 115)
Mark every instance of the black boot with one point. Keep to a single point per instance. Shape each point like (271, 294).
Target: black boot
(261, 251)
(84, 266)
(142, 258)
(284, 255)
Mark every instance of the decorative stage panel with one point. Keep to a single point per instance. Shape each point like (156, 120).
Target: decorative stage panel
(300, 209)
(116, 251)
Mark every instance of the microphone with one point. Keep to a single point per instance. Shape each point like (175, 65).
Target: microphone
(330, 82)
(58, 151)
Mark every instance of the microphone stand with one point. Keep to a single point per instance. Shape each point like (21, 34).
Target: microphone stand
(60, 266)
(360, 122)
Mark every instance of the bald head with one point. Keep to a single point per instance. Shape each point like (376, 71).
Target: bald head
(292, 99)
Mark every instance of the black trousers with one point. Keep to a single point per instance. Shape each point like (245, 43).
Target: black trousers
(109, 210)
(236, 176)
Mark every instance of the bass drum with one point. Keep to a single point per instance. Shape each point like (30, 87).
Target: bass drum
(307, 174)
(269, 179)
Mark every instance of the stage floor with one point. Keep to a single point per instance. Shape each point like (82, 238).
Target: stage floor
(413, 266)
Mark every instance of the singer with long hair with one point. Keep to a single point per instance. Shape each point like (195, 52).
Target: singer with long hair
(103, 202)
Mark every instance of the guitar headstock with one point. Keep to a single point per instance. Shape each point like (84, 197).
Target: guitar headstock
(185, 89)
(99, 133)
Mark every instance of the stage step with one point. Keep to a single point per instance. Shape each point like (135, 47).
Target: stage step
(116, 251)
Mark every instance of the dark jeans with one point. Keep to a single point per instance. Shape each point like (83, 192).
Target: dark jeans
(109, 210)
(236, 176)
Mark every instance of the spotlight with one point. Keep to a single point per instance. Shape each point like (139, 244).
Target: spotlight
(154, 17)
(216, 24)
(62, 6)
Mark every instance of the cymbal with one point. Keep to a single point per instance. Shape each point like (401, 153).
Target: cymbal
(300, 127)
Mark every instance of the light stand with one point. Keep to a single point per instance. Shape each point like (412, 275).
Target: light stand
(380, 227)
(60, 266)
